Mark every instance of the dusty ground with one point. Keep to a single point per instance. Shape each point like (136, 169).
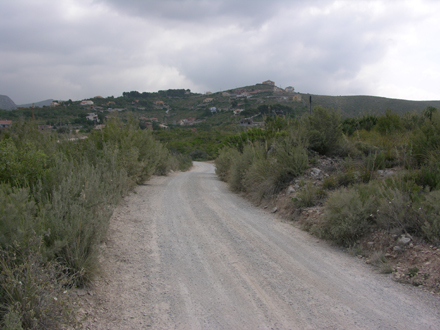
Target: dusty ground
(185, 253)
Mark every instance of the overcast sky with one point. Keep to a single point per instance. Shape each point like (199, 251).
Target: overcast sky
(76, 49)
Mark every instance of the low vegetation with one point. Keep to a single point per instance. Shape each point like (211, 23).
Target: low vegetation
(56, 199)
(356, 199)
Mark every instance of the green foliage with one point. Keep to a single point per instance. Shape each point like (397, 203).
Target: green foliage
(430, 216)
(254, 134)
(348, 215)
(426, 139)
(323, 130)
(63, 191)
(17, 216)
(372, 163)
(33, 293)
(428, 112)
(240, 166)
(366, 122)
(389, 123)
(21, 166)
(309, 196)
(224, 161)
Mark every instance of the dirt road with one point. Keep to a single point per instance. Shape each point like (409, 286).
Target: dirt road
(185, 253)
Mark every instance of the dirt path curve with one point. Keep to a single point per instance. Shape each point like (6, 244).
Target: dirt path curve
(185, 253)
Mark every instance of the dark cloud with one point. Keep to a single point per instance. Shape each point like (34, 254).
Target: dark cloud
(82, 48)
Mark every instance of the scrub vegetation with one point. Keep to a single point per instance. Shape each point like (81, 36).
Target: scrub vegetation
(56, 199)
(356, 200)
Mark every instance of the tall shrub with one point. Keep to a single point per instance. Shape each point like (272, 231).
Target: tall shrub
(323, 129)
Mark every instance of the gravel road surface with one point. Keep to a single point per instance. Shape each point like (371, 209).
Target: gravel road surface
(185, 253)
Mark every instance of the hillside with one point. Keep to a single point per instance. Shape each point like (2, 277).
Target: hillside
(351, 106)
(6, 103)
(36, 104)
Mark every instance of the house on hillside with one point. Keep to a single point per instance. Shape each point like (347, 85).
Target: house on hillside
(269, 82)
(247, 122)
(213, 109)
(237, 111)
(148, 125)
(208, 99)
(53, 104)
(86, 102)
(289, 89)
(296, 98)
(5, 124)
(160, 103)
(92, 117)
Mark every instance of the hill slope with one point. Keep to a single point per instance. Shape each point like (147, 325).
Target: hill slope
(36, 104)
(351, 106)
(6, 103)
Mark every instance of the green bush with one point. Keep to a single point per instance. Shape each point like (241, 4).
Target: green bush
(33, 293)
(309, 196)
(323, 130)
(270, 172)
(426, 139)
(241, 164)
(17, 215)
(224, 161)
(396, 210)
(389, 123)
(22, 166)
(63, 191)
(430, 217)
(291, 157)
(371, 164)
(348, 215)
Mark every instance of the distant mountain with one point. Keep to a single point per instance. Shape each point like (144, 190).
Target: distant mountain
(36, 104)
(6, 103)
(360, 105)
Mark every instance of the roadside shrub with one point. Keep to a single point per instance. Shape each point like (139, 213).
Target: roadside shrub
(21, 166)
(348, 215)
(309, 196)
(348, 176)
(330, 183)
(291, 157)
(224, 161)
(180, 162)
(17, 216)
(271, 172)
(429, 174)
(77, 214)
(323, 130)
(241, 164)
(261, 179)
(430, 217)
(33, 294)
(426, 139)
(395, 210)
